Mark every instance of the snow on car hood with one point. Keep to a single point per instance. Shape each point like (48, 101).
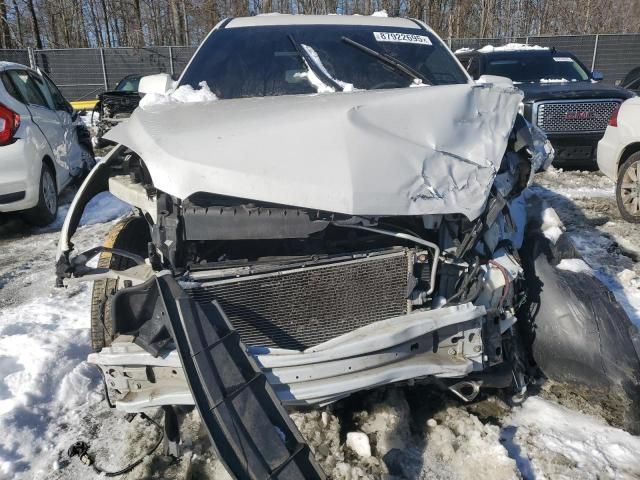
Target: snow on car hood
(409, 151)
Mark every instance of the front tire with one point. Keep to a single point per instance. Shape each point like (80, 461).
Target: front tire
(47, 208)
(628, 189)
(131, 234)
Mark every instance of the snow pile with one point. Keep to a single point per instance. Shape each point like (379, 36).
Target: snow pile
(380, 13)
(464, 50)
(102, 208)
(574, 184)
(88, 119)
(453, 444)
(628, 278)
(358, 442)
(43, 345)
(183, 94)
(510, 47)
(387, 422)
(550, 441)
(313, 79)
(418, 83)
(321, 430)
(460, 446)
(554, 80)
(576, 265)
(552, 226)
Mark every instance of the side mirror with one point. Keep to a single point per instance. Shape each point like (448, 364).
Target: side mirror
(160, 83)
(495, 79)
(597, 75)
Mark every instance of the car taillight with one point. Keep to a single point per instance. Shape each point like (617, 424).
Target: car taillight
(613, 121)
(9, 123)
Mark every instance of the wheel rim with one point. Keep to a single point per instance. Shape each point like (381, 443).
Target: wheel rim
(49, 192)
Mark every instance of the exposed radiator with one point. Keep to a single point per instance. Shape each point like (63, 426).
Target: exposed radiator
(575, 116)
(302, 307)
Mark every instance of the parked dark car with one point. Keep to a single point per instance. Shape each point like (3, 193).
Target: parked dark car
(116, 105)
(632, 80)
(561, 96)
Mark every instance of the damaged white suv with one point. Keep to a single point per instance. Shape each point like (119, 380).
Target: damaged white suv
(325, 205)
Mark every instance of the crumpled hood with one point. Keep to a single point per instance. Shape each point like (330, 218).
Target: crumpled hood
(409, 151)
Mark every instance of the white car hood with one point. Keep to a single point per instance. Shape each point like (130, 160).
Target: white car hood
(411, 151)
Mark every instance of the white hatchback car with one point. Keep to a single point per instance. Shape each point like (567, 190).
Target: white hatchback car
(619, 157)
(42, 146)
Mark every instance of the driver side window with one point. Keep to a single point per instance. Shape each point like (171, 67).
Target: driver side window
(59, 100)
(27, 87)
(54, 98)
(44, 91)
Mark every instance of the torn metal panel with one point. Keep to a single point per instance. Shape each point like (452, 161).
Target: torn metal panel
(414, 151)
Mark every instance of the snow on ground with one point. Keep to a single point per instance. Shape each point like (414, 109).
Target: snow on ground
(510, 47)
(89, 118)
(44, 340)
(585, 202)
(551, 441)
(50, 398)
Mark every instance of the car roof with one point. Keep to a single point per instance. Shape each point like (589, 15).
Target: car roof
(515, 53)
(13, 66)
(286, 19)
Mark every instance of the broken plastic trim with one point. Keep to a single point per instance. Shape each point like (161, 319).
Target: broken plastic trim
(77, 266)
(252, 432)
(96, 182)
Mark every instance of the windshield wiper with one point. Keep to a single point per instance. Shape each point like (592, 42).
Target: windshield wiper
(389, 60)
(327, 80)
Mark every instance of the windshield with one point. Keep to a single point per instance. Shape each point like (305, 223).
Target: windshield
(536, 68)
(128, 84)
(266, 61)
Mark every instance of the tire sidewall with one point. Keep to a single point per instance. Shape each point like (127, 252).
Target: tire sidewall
(131, 234)
(633, 159)
(40, 215)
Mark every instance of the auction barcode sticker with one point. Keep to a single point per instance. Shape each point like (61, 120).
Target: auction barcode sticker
(401, 38)
(563, 59)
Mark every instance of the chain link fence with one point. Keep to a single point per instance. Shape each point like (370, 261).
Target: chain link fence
(82, 73)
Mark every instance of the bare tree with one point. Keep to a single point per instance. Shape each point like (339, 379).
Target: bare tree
(78, 23)
(5, 34)
(35, 29)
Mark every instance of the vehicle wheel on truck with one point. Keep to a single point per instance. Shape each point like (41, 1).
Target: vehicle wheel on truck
(628, 189)
(130, 234)
(47, 208)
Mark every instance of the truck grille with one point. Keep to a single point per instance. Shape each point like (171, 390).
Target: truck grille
(575, 117)
(299, 308)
